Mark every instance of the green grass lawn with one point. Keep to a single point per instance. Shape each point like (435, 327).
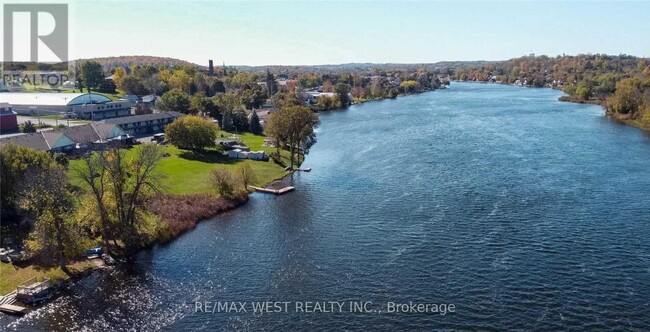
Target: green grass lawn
(11, 276)
(43, 88)
(187, 172)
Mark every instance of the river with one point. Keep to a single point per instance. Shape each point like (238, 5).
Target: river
(522, 211)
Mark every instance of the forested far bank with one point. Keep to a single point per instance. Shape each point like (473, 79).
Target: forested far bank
(620, 83)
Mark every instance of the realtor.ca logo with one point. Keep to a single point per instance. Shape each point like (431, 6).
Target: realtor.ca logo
(56, 40)
(35, 43)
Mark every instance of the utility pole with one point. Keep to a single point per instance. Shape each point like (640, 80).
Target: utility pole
(38, 111)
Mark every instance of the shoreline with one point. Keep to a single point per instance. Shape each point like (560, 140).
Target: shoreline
(202, 207)
(208, 206)
(216, 206)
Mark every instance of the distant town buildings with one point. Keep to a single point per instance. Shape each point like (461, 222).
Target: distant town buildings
(287, 85)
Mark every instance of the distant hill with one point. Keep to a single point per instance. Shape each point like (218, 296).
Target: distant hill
(364, 67)
(109, 63)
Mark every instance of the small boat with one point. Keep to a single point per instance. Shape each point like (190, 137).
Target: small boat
(33, 291)
(97, 251)
(306, 169)
(108, 259)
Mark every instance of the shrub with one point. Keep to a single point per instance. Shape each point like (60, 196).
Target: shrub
(223, 181)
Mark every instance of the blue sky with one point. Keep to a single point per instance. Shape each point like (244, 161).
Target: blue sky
(309, 32)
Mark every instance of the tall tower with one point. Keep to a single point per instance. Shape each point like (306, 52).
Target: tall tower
(210, 68)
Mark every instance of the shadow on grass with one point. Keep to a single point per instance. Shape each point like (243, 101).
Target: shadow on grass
(208, 156)
(38, 263)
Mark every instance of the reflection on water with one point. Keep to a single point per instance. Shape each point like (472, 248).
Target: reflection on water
(524, 212)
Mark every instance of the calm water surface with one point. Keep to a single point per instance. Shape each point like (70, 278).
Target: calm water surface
(524, 212)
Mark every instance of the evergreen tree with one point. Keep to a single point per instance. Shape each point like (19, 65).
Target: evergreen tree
(28, 127)
(270, 82)
(254, 124)
(227, 122)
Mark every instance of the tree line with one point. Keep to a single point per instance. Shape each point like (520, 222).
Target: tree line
(109, 202)
(618, 82)
(58, 220)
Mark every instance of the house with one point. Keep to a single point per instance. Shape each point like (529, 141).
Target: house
(87, 136)
(312, 97)
(130, 98)
(80, 138)
(146, 123)
(8, 119)
(39, 141)
(287, 85)
(149, 100)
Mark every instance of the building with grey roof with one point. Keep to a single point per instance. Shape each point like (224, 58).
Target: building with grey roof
(91, 106)
(69, 139)
(145, 124)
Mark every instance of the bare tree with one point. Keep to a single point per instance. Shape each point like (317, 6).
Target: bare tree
(131, 182)
(222, 180)
(47, 200)
(92, 171)
(245, 175)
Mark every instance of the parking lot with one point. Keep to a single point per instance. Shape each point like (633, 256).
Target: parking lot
(50, 121)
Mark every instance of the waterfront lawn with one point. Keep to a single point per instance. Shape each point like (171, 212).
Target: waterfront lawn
(11, 276)
(188, 172)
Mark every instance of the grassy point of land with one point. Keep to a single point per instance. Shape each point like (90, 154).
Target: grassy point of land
(188, 172)
(185, 173)
(11, 275)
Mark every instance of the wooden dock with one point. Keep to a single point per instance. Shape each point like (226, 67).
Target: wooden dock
(13, 309)
(8, 305)
(274, 191)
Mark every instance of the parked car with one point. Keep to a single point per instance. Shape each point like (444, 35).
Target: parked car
(158, 138)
